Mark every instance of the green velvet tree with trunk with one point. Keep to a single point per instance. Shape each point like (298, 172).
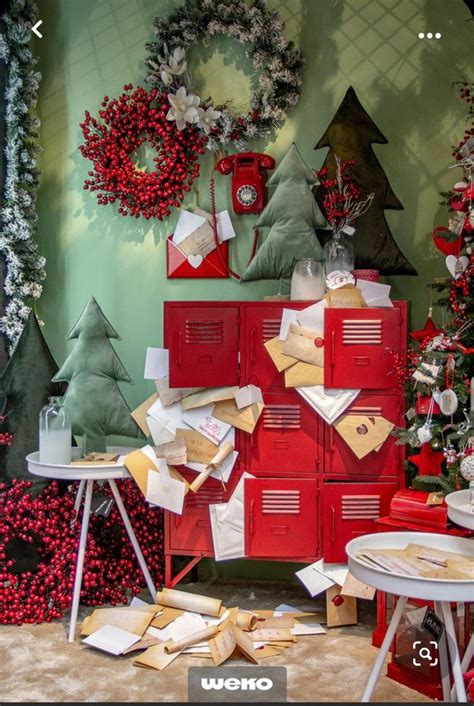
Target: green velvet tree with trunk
(292, 215)
(93, 370)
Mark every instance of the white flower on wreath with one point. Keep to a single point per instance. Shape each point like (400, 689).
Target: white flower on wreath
(207, 118)
(174, 65)
(183, 108)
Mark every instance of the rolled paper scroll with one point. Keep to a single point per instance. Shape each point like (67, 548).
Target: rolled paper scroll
(199, 636)
(193, 602)
(214, 464)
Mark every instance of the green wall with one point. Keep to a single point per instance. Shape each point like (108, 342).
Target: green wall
(90, 48)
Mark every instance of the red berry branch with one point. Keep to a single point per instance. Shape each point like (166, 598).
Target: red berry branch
(111, 572)
(111, 141)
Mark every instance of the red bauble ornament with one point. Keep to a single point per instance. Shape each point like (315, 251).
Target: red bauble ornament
(123, 126)
(428, 461)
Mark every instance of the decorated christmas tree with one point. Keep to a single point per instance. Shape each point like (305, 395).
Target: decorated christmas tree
(26, 383)
(441, 363)
(292, 215)
(93, 369)
(349, 137)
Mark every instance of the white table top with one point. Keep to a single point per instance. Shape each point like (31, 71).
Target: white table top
(411, 586)
(459, 508)
(89, 472)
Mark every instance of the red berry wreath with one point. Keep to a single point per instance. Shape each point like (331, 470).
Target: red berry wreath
(45, 523)
(123, 126)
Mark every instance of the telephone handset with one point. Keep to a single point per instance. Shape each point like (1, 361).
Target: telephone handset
(248, 170)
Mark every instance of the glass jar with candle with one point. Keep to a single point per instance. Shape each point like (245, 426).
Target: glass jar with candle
(54, 433)
(338, 255)
(307, 281)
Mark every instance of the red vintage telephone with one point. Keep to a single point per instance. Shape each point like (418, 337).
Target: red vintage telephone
(248, 170)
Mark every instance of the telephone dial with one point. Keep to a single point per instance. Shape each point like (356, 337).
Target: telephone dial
(248, 171)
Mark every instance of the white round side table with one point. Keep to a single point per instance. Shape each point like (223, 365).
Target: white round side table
(86, 475)
(441, 591)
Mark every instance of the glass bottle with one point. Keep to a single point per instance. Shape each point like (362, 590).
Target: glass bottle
(338, 255)
(54, 433)
(307, 281)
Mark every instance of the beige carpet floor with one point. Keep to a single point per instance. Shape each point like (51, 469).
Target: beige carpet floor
(38, 664)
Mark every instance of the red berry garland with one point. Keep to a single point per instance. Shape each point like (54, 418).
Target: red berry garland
(123, 126)
(111, 572)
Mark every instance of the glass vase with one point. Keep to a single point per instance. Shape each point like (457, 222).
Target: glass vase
(54, 433)
(338, 255)
(307, 281)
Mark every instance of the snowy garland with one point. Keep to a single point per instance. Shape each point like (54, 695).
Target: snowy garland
(24, 266)
(278, 60)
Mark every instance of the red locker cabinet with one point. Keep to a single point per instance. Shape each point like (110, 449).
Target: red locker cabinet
(341, 462)
(288, 437)
(359, 344)
(204, 345)
(281, 518)
(350, 510)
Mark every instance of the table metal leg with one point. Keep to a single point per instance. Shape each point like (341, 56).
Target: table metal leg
(454, 652)
(78, 500)
(443, 658)
(80, 561)
(384, 648)
(133, 539)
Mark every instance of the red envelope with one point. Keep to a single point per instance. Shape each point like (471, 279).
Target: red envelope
(214, 265)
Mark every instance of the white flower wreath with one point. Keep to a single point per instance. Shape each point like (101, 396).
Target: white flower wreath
(278, 60)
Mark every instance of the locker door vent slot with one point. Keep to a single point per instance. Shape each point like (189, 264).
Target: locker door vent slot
(204, 331)
(367, 411)
(362, 331)
(280, 502)
(360, 507)
(282, 416)
(270, 329)
(201, 500)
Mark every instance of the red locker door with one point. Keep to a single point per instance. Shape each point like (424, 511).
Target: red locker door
(191, 531)
(281, 518)
(359, 346)
(288, 437)
(203, 345)
(261, 324)
(339, 459)
(350, 510)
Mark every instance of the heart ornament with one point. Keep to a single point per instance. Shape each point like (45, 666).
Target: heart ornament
(456, 265)
(197, 260)
(442, 239)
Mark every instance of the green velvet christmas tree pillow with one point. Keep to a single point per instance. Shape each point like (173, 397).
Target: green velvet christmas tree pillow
(292, 214)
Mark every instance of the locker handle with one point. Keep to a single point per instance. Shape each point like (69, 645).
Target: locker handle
(333, 524)
(251, 527)
(252, 347)
(333, 352)
(331, 439)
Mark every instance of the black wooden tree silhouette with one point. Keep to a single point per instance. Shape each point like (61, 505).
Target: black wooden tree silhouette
(349, 136)
(26, 382)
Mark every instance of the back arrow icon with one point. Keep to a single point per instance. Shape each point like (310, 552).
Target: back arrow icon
(35, 29)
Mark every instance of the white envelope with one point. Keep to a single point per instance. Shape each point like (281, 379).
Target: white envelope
(111, 639)
(225, 229)
(183, 626)
(335, 572)
(222, 473)
(165, 491)
(245, 396)
(228, 541)
(288, 317)
(375, 294)
(314, 580)
(313, 316)
(188, 222)
(159, 432)
(329, 404)
(233, 514)
(201, 419)
(305, 629)
(156, 363)
(170, 417)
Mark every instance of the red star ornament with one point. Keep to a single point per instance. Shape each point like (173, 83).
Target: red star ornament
(428, 331)
(428, 461)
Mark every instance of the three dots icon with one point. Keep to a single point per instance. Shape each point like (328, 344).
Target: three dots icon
(429, 35)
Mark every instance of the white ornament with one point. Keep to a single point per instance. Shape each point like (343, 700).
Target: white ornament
(467, 467)
(424, 434)
(456, 265)
(448, 402)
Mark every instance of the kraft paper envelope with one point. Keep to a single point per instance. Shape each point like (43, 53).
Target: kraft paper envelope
(134, 620)
(348, 296)
(170, 395)
(357, 589)
(156, 658)
(275, 350)
(140, 414)
(361, 433)
(200, 242)
(166, 617)
(198, 448)
(304, 375)
(343, 614)
(244, 419)
(270, 634)
(214, 394)
(301, 344)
